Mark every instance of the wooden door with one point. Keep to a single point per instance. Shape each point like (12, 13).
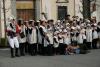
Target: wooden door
(25, 14)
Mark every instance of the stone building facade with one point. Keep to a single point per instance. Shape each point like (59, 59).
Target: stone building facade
(32, 9)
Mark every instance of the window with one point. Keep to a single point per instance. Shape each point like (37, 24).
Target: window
(62, 12)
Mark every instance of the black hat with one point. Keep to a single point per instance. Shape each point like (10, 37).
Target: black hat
(67, 15)
(30, 22)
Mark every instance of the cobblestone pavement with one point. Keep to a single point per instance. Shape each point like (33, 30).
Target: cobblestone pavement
(91, 59)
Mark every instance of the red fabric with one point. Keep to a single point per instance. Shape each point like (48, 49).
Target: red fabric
(7, 30)
(17, 29)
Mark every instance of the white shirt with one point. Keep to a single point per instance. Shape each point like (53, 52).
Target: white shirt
(95, 35)
(56, 44)
(80, 39)
(33, 36)
(99, 33)
(67, 39)
(61, 40)
(89, 35)
(50, 35)
(22, 40)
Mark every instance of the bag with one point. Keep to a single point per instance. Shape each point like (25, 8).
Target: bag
(22, 35)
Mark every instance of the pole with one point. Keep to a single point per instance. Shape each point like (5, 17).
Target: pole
(0, 22)
(41, 8)
(4, 13)
(34, 9)
(74, 8)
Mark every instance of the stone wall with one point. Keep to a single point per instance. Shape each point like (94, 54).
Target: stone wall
(98, 10)
(10, 6)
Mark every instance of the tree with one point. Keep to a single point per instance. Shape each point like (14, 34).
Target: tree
(86, 9)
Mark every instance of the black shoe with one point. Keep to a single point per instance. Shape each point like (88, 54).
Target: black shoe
(12, 53)
(22, 54)
(16, 53)
(12, 56)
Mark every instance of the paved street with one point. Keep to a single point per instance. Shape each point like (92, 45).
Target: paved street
(88, 60)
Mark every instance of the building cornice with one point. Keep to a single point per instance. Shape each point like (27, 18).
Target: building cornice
(60, 1)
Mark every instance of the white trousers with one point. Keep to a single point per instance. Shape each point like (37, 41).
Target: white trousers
(13, 42)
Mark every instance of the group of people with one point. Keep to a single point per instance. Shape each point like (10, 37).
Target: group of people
(46, 37)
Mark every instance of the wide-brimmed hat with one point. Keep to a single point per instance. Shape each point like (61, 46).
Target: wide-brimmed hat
(64, 30)
(58, 21)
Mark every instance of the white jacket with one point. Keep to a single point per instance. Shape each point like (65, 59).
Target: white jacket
(95, 35)
(50, 35)
(56, 44)
(33, 36)
(67, 39)
(89, 35)
(80, 39)
(22, 40)
(61, 40)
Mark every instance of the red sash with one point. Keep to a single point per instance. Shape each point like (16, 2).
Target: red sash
(17, 29)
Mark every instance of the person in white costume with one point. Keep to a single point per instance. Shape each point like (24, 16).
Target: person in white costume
(12, 32)
(61, 42)
(56, 42)
(32, 35)
(45, 39)
(22, 37)
(94, 36)
(89, 36)
(98, 30)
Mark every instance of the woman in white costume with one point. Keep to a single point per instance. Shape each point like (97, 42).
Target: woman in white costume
(83, 31)
(32, 35)
(94, 36)
(50, 36)
(73, 36)
(80, 39)
(67, 39)
(22, 38)
(61, 42)
(89, 36)
(45, 39)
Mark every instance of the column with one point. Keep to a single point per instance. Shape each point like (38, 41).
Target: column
(10, 6)
(0, 21)
(98, 10)
(38, 9)
(13, 8)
